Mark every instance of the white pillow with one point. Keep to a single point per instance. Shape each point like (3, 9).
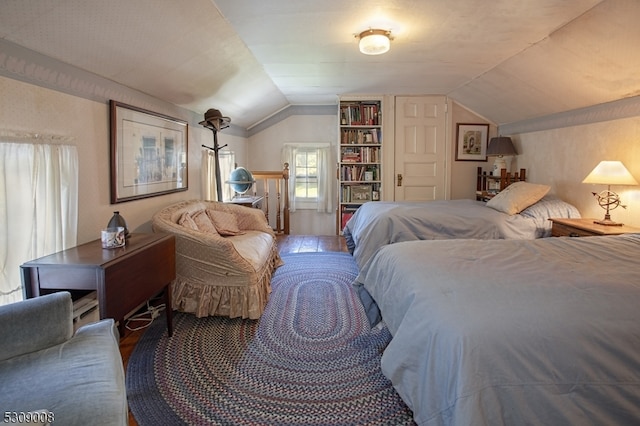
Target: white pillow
(517, 197)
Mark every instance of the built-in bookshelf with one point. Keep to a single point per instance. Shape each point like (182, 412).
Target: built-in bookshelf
(359, 156)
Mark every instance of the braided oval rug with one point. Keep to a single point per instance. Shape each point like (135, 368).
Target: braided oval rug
(312, 359)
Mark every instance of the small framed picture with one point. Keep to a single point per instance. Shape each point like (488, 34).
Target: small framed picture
(471, 142)
(360, 193)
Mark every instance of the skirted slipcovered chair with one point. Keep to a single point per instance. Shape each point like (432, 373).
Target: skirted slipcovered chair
(225, 257)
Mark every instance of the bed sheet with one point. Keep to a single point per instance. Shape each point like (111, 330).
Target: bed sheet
(377, 224)
(497, 332)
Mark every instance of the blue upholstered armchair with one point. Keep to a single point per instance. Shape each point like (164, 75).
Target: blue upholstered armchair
(69, 379)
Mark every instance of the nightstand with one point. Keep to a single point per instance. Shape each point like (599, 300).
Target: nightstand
(586, 228)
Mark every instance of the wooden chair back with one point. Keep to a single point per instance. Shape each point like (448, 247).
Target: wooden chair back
(505, 179)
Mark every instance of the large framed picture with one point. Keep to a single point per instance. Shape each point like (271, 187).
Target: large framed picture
(472, 142)
(148, 153)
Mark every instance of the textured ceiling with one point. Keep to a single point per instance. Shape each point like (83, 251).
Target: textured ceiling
(506, 60)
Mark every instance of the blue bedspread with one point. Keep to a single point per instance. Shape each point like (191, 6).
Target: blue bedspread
(377, 224)
(509, 332)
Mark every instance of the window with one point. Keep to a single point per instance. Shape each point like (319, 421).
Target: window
(306, 170)
(312, 178)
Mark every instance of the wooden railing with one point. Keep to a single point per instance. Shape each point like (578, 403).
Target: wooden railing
(274, 182)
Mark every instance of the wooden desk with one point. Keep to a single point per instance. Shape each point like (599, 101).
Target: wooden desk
(124, 278)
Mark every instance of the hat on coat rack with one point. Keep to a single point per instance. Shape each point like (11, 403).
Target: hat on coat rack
(213, 117)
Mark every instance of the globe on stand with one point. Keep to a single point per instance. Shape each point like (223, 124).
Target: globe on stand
(241, 180)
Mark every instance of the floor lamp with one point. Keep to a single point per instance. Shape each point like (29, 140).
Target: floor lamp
(214, 121)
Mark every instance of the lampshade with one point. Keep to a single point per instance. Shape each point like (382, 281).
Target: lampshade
(502, 145)
(374, 42)
(610, 173)
(499, 147)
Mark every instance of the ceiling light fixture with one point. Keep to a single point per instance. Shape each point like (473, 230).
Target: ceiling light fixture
(374, 42)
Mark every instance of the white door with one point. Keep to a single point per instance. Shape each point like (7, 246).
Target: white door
(420, 148)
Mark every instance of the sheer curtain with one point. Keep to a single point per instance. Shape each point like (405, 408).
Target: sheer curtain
(324, 203)
(227, 164)
(325, 181)
(38, 206)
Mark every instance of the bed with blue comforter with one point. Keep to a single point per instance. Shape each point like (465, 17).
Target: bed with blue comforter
(376, 224)
(512, 332)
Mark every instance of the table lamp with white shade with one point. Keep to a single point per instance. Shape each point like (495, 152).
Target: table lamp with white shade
(609, 173)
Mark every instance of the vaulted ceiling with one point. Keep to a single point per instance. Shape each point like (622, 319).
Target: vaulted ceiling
(507, 60)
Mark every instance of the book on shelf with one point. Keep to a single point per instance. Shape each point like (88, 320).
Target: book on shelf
(350, 156)
(375, 135)
(350, 173)
(350, 114)
(360, 137)
(359, 114)
(369, 154)
(345, 219)
(346, 212)
(370, 113)
(365, 154)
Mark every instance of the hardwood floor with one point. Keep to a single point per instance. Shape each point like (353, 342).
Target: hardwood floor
(286, 244)
(310, 243)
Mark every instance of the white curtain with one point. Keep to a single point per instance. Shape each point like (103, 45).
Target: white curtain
(324, 203)
(227, 164)
(325, 182)
(209, 176)
(38, 206)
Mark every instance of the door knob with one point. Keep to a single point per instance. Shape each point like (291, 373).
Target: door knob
(399, 179)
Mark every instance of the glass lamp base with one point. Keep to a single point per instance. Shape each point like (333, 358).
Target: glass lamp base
(498, 165)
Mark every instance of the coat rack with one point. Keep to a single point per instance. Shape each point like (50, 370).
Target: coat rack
(214, 121)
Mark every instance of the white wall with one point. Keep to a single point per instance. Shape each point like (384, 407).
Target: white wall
(563, 157)
(265, 150)
(464, 173)
(29, 108)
